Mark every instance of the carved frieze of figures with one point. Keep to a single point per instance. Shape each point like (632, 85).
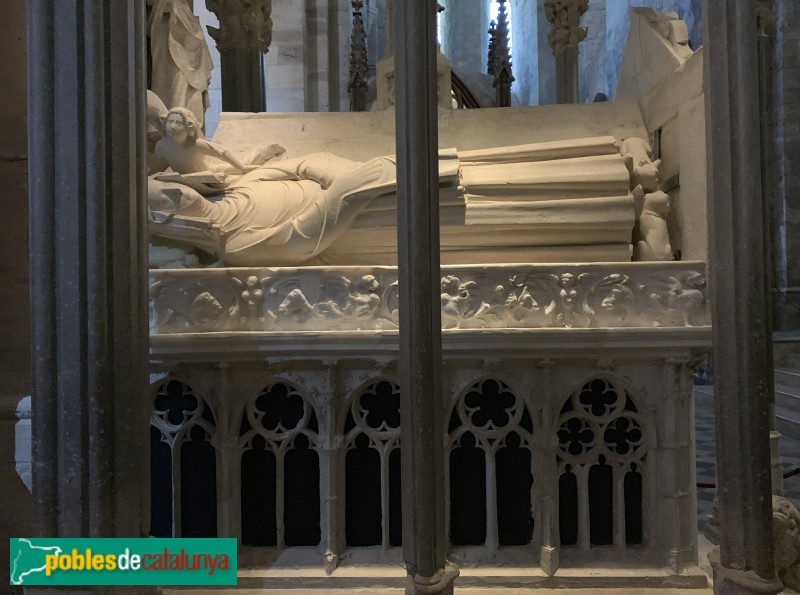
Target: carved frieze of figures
(242, 24)
(565, 16)
(503, 296)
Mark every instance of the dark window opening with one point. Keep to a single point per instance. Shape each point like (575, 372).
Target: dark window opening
(301, 494)
(514, 483)
(160, 485)
(568, 507)
(633, 507)
(363, 526)
(467, 493)
(601, 504)
(198, 486)
(395, 499)
(258, 495)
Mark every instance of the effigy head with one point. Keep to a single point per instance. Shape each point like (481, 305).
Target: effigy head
(181, 125)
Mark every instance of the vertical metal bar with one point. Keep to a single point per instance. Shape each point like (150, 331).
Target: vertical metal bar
(741, 334)
(41, 184)
(424, 542)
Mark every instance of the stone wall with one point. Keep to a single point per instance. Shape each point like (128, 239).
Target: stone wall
(547, 62)
(787, 101)
(14, 314)
(285, 62)
(317, 56)
(375, 23)
(525, 57)
(592, 53)
(465, 36)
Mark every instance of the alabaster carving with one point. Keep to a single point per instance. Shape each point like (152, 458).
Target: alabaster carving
(184, 150)
(652, 236)
(156, 113)
(645, 172)
(281, 214)
(675, 31)
(497, 297)
(786, 529)
(181, 61)
(556, 201)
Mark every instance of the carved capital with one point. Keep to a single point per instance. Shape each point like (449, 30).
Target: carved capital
(565, 16)
(243, 24)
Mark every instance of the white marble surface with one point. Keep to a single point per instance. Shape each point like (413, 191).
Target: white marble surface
(652, 296)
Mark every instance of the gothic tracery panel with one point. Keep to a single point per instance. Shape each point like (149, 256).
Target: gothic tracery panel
(280, 472)
(490, 467)
(183, 459)
(372, 467)
(602, 455)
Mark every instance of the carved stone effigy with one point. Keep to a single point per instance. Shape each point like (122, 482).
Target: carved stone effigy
(561, 201)
(473, 297)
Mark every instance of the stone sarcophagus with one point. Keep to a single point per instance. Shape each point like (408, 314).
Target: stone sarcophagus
(567, 420)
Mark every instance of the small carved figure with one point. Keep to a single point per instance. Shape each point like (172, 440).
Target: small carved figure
(786, 530)
(684, 295)
(639, 159)
(185, 150)
(652, 236)
(365, 301)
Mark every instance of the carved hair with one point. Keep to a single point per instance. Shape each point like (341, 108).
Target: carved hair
(189, 120)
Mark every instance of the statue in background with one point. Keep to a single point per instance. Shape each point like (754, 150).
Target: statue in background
(180, 58)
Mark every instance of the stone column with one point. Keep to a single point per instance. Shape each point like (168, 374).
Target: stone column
(389, 29)
(787, 104)
(464, 34)
(742, 337)
(88, 268)
(564, 38)
(243, 37)
(424, 532)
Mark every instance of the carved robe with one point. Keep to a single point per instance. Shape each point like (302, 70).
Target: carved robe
(181, 61)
